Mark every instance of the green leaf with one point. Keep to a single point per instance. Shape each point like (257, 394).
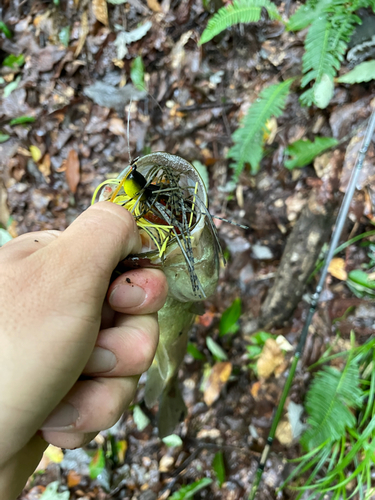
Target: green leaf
(360, 284)
(50, 493)
(137, 73)
(172, 440)
(318, 58)
(301, 18)
(193, 350)
(240, 11)
(306, 14)
(21, 120)
(360, 277)
(259, 338)
(11, 86)
(4, 28)
(230, 317)
(248, 139)
(363, 72)
(140, 419)
(253, 351)
(330, 402)
(304, 151)
(216, 350)
(97, 464)
(13, 61)
(4, 237)
(4, 137)
(323, 91)
(218, 467)
(64, 36)
(189, 491)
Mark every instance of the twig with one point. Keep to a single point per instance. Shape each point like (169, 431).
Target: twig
(340, 221)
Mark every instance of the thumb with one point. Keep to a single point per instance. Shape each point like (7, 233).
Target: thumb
(84, 256)
(99, 238)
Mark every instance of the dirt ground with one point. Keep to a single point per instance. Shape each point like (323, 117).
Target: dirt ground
(72, 83)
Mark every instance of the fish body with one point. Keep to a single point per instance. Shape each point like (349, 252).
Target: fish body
(190, 262)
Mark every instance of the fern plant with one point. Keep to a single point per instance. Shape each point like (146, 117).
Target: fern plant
(332, 23)
(340, 440)
(248, 138)
(240, 11)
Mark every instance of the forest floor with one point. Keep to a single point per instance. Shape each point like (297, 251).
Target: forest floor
(74, 58)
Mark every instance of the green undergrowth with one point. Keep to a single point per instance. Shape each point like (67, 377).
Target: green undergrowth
(330, 25)
(339, 442)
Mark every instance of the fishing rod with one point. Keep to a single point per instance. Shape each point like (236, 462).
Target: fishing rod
(340, 221)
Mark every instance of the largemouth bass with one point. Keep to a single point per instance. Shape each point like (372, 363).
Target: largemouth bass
(171, 210)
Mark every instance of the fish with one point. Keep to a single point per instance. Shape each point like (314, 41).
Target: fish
(185, 245)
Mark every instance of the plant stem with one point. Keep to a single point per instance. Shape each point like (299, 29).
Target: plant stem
(340, 221)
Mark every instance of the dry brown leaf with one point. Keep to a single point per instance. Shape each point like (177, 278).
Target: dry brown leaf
(284, 432)
(254, 390)
(116, 126)
(100, 10)
(166, 463)
(45, 166)
(4, 211)
(72, 170)
(73, 478)
(271, 130)
(51, 454)
(270, 359)
(218, 377)
(154, 5)
(85, 29)
(337, 269)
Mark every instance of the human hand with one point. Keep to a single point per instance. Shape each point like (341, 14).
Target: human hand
(56, 324)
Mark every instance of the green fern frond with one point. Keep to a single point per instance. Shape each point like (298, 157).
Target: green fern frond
(241, 11)
(332, 25)
(305, 14)
(329, 402)
(318, 58)
(248, 139)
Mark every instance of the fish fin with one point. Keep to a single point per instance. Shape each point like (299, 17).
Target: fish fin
(197, 308)
(172, 409)
(157, 376)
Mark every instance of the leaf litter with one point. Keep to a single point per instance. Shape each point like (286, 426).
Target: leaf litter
(70, 100)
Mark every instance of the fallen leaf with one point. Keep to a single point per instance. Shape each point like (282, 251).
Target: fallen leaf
(73, 478)
(284, 432)
(36, 153)
(178, 51)
(283, 343)
(4, 211)
(216, 380)
(121, 447)
(72, 170)
(116, 126)
(45, 166)
(154, 5)
(270, 130)
(208, 434)
(85, 30)
(100, 10)
(255, 389)
(270, 359)
(206, 319)
(166, 463)
(337, 269)
(54, 453)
